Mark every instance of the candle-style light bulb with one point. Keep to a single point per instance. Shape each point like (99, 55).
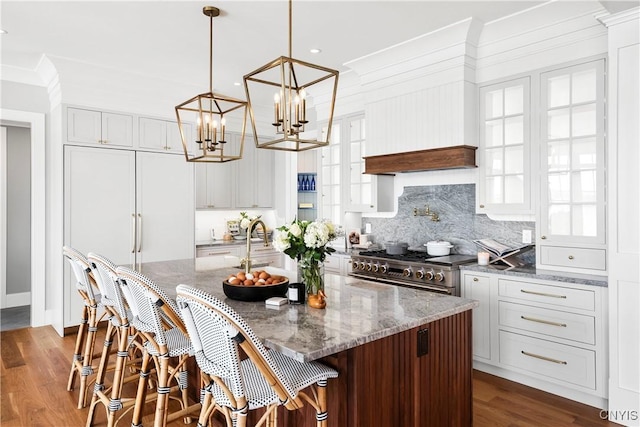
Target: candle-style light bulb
(223, 122)
(199, 131)
(207, 125)
(214, 125)
(276, 109)
(303, 106)
(296, 107)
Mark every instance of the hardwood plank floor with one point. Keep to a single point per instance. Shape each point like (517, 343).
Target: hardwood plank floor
(35, 368)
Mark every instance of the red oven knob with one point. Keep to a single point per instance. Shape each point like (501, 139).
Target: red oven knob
(440, 276)
(384, 268)
(376, 267)
(430, 275)
(420, 274)
(407, 272)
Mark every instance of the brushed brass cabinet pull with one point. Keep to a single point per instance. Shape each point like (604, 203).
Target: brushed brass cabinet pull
(475, 279)
(548, 359)
(133, 232)
(481, 206)
(570, 256)
(139, 232)
(543, 237)
(542, 294)
(546, 322)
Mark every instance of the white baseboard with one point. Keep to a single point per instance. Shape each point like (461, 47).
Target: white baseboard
(16, 300)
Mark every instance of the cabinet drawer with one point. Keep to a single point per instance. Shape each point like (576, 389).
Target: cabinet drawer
(554, 295)
(204, 252)
(571, 326)
(332, 264)
(594, 259)
(556, 361)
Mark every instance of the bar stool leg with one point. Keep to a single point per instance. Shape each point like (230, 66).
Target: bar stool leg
(87, 368)
(76, 363)
(99, 390)
(141, 394)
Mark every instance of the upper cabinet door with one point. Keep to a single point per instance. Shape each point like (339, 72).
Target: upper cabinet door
(572, 155)
(505, 148)
(96, 127)
(163, 135)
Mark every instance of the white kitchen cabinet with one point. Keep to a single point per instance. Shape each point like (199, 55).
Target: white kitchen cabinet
(504, 154)
(342, 183)
(247, 183)
(215, 185)
(478, 287)
(338, 263)
(85, 126)
(623, 205)
(163, 135)
(255, 177)
(265, 256)
(572, 153)
(129, 206)
(220, 251)
(543, 333)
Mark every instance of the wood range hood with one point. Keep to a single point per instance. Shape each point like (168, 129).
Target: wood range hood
(460, 156)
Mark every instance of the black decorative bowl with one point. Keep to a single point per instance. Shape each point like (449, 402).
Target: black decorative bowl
(255, 293)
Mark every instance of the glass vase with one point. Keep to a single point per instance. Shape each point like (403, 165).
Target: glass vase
(312, 275)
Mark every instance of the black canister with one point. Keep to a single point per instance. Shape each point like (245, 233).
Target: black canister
(296, 293)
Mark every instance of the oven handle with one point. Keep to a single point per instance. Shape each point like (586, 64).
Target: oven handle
(443, 290)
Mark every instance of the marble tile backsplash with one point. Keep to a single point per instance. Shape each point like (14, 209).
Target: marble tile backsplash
(459, 223)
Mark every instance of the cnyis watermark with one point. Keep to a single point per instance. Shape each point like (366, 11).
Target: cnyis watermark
(618, 415)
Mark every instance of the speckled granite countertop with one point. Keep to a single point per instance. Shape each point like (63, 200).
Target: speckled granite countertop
(358, 311)
(533, 273)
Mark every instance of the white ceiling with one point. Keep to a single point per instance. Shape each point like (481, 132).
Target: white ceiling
(169, 40)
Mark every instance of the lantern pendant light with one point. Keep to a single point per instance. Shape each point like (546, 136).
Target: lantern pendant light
(214, 115)
(278, 96)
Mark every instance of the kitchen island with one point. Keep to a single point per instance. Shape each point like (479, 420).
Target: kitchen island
(403, 355)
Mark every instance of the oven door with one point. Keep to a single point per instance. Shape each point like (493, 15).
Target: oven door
(454, 291)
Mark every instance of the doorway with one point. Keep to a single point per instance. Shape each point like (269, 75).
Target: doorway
(35, 299)
(15, 226)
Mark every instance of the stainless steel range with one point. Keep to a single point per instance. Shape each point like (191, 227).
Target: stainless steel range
(415, 269)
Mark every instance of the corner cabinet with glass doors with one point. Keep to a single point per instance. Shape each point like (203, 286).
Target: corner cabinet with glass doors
(572, 153)
(344, 187)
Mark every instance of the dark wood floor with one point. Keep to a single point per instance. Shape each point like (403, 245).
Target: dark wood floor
(35, 367)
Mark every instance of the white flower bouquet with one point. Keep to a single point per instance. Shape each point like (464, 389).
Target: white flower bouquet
(307, 242)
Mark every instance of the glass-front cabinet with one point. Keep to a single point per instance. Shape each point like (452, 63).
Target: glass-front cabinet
(505, 148)
(572, 148)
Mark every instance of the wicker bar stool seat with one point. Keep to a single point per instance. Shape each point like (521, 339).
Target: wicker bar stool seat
(93, 312)
(266, 379)
(157, 319)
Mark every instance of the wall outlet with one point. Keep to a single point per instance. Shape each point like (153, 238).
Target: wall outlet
(367, 228)
(526, 236)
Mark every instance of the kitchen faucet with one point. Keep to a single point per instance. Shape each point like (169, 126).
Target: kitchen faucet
(247, 260)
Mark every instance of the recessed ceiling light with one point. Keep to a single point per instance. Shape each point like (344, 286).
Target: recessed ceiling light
(4, 32)
(315, 50)
(236, 83)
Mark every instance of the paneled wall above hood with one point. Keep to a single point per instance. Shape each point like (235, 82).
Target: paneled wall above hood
(461, 156)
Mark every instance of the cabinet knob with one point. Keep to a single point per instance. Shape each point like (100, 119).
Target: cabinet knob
(475, 279)
(481, 206)
(570, 256)
(543, 237)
